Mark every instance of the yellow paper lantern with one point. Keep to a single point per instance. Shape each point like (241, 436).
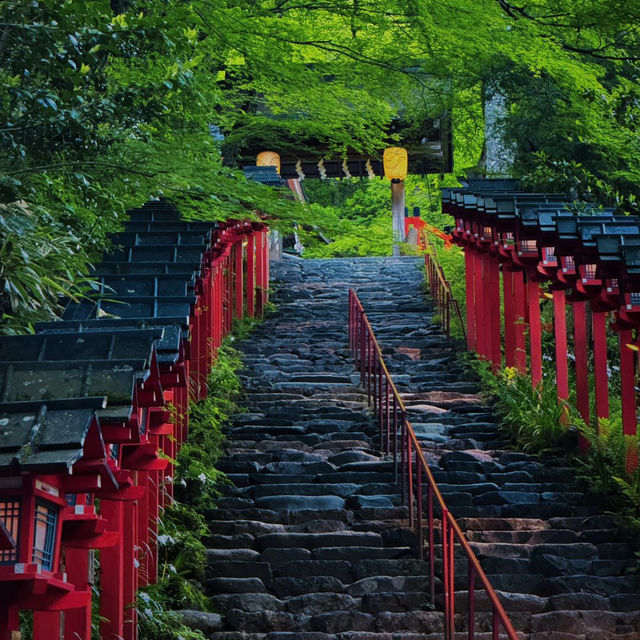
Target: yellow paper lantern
(268, 159)
(396, 163)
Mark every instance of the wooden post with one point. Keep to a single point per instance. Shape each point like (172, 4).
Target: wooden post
(77, 622)
(9, 622)
(627, 383)
(494, 313)
(582, 358)
(480, 300)
(111, 575)
(397, 214)
(470, 280)
(267, 258)
(560, 326)
(251, 282)
(130, 571)
(535, 332)
(509, 319)
(46, 625)
(239, 279)
(600, 363)
(520, 347)
(260, 273)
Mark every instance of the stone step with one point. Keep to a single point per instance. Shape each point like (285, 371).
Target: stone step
(321, 550)
(315, 540)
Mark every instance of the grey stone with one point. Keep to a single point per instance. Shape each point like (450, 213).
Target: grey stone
(301, 503)
(338, 621)
(291, 586)
(368, 502)
(200, 620)
(234, 555)
(235, 585)
(313, 540)
(244, 526)
(422, 621)
(249, 602)
(311, 604)
(386, 584)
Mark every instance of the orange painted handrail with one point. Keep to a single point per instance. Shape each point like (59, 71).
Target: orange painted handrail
(398, 439)
(439, 286)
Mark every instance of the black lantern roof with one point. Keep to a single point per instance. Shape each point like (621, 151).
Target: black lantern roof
(155, 237)
(42, 438)
(146, 285)
(31, 381)
(157, 253)
(148, 268)
(89, 369)
(172, 332)
(130, 307)
(631, 255)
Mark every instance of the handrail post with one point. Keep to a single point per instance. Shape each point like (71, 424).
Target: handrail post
(362, 350)
(432, 556)
(387, 446)
(403, 441)
(471, 590)
(419, 509)
(445, 572)
(369, 367)
(452, 582)
(395, 438)
(381, 380)
(410, 480)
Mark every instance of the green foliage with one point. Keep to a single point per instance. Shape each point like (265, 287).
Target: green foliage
(534, 421)
(182, 554)
(41, 260)
(531, 417)
(360, 211)
(106, 104)
(156, 622)
(604, 470)
(197, 479)
(569, 176)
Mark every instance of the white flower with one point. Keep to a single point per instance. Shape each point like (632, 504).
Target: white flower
(202, 477)
(136, 563)
(144, 596)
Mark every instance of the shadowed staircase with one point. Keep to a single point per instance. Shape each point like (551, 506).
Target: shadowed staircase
(312, 542)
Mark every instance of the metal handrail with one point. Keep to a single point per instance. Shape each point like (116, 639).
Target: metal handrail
(440, 288)
(407, 453)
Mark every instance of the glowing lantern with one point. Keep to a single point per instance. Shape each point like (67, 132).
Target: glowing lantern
(268, 159)
(396, 163)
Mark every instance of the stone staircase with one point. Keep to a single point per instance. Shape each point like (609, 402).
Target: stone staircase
(312, 542)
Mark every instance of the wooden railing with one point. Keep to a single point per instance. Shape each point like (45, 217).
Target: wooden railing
(440, 288)
(399, 441)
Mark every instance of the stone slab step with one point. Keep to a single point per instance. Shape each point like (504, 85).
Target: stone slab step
(314, 540)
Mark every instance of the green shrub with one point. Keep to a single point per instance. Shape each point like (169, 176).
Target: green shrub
(182, 554)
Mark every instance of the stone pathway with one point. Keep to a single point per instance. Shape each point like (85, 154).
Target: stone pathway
(312, 543)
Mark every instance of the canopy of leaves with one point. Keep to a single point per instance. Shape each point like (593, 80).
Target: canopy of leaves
(104, 104)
